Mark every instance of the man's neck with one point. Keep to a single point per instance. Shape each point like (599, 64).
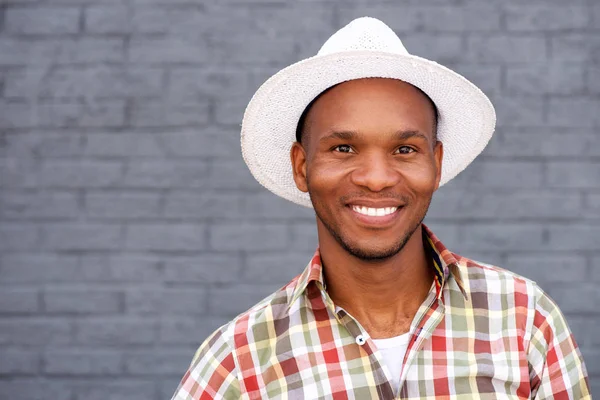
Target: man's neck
(382, 295)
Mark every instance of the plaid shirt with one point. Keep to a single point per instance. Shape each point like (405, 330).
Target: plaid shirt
(481, 333)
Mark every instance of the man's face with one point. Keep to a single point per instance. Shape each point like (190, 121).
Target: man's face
(370, 162)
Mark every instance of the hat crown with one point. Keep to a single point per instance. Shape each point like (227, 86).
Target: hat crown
(364, 33)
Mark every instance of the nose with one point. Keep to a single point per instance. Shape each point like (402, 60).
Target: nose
(375, 172)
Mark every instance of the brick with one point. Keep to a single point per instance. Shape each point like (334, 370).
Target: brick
(444, 49)
(544, 142)
(116, 331)
(159, 363)
(35, 331)
(88, 236)
(175, 21)
(38, 204)
(574, 112)
(235, 299)
(519, 110)
(574, 237)
(124, 144)
(460, 18)
(39, 268)
(19, 301)
(121, 268)
(191, 330)
(203, 205)
(595, 268)
(205, 142)
(41, 144)
(16, 115)
(42, 20)
(160, 237)
(584, 330)
(27, 388)
(249, 237)
(400, 17)
(161, 300)
(252, 49)
(562, 294)
(542, 17)
(231, 174)
(18, 172)
(123, 205)
(158, 174)
(546, 269)
(156, 113)
(204, 269)
(71, 115)
(82, 362)
(38, 52)
(304, 236)
(502, 237)
(87, 82)
(108, 19)
(231, 111)
(79, 173)
(266, 206)
(592, 205)
(449, 234)
(278, 267)
(168, 50)
(506, 49)
(114, 389)
(572, 174)
(187, 83)
(576, 47)
(317, 17)
(593, 83)
(502, 205)
(485, 174)
(18, 362)
(18, 236)
(486, 77)
(82, 301)
(545, 79)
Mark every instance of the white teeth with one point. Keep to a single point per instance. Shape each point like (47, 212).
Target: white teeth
(374, 212)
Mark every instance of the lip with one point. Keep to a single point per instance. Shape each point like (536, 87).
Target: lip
(375, 221)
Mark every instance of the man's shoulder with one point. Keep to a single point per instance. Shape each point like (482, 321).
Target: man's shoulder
(479, 275)
(272, 307)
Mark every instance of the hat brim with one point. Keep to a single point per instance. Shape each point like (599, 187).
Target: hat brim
(466, 116)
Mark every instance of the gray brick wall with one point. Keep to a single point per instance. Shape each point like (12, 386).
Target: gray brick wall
(130, 227)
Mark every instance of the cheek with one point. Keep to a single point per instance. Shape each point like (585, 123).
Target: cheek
(325, 176)
(420, 177)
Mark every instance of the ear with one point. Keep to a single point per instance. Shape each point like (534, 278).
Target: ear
(298, 157)
(438, 155)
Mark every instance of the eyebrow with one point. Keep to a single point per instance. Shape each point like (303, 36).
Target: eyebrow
(349, 135)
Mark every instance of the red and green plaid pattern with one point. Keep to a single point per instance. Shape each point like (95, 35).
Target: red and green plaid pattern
(482, 333)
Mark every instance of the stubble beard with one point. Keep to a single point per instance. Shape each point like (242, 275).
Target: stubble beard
(366, 254)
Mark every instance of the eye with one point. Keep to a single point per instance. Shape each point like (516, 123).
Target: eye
(405, 150)
(343, 148)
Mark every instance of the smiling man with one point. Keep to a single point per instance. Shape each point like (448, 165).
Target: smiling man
(365, 133)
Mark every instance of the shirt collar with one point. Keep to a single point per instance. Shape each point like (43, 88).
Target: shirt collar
(444, 265)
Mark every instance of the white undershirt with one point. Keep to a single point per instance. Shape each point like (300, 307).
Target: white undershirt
(393, 350)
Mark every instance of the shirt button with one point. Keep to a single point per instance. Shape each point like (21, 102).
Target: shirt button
(360, 340)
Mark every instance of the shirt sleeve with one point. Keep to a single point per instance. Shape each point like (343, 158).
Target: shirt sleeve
(557, 370)
(212, 373)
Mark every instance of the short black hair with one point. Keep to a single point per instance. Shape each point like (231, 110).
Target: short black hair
(302, 121)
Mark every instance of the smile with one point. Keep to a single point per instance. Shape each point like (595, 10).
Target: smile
(374, 212)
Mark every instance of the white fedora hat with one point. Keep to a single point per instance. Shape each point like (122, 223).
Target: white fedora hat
(365, 48)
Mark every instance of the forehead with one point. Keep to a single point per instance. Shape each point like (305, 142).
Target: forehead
(372, 104)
